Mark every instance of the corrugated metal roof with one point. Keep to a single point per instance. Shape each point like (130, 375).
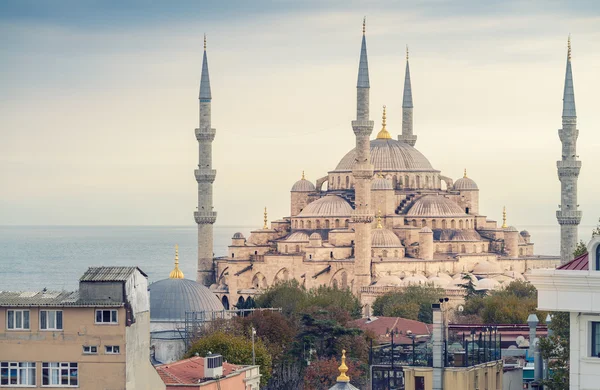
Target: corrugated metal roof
(109, 274)
(50, 298)
(580, 263)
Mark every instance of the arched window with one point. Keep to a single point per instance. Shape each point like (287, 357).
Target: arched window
(453, 224)
(256, 252)
(474, 248)
(297, 248)
(296, 224)
(461, 224)
(444, 224)
(449, 248)
(372, 253)
(310, 257)
(331, 255)
(483, 247)
(384, 253)
(347, 181)
(338, 186)
(423, 223)
(414, 222)
(344, 280)
(462, 248)
(418, 181)
(232, 255)
(395, 181)
(468, 224)
(225, 302)
(598, 257)
(520, 251)
(240, 302)
(309, 224)
(301, 224)
(406, 182)
(326, 224)
(347, 223)
(286, 249)
(396, 253)
(426, 181)
(335, 284)
(337, 223)
(318, 222)
(433, 224)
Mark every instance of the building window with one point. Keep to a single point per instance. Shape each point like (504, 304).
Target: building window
(596, 339)
(60, 374)
(598, 257)
(419, 383)
(16, 374)
(106, 316)
(90, 349)
(111, 349)
(17, 319)
(51, 319)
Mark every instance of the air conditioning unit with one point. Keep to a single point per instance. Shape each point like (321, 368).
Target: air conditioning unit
(213, 365)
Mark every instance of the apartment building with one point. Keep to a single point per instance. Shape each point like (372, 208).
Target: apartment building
(95, 338)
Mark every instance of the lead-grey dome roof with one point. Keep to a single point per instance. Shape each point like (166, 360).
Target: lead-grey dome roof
(465, 183)
(381, 183)
(389, 155)
(171, 298)
(327, 206)
(435, 206)
(385, 238)
(303, 185)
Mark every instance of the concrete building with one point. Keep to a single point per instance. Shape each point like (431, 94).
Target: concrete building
(197, 373)
(575, 288)
(93, 338)
(383, 218)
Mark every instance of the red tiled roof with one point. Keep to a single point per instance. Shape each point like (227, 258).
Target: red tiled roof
(382, 326)
(580, 263)
(188, 371)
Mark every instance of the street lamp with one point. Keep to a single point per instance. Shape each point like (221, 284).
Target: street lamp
(253, 351)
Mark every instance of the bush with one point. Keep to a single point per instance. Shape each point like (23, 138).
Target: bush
(412, 302)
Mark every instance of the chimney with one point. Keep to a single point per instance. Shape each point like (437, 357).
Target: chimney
(438, 346)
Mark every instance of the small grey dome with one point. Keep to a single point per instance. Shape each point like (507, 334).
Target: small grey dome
(303, 185)
(435, 206)
(525, 233)
(171, 298)
(465, 183)
(381, 183)
(238, 235)
(384, 238)
(315, 236)
(426, 229)
(297, 237)
(511, 229)
(327, 206)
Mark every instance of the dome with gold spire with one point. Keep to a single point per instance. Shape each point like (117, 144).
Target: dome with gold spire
(303, 185)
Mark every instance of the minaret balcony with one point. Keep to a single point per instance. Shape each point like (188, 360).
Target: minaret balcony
(205, 217)
(206, 134)
(362, 218)
(205, 175)
(568, 168)
(362, 127)
(363, 171)
(571, 217)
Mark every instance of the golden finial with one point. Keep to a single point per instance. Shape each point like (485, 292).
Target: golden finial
(504, 225)
(343, 369)
(383, 134)
(379, 220)
(406, 52)
(569, 47)
(364, 24)
(265, 220)
(465, 174)
(204, 42)
(176, 273)
(303, 176)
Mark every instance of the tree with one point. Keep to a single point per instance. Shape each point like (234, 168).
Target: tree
(580, 249)
(287, 295)
(322, 374)
(555, 349)
(469, 287)
(324, 296)
(412, 302)
(235, 350)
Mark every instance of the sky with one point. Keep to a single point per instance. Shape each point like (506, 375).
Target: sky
(98, 102)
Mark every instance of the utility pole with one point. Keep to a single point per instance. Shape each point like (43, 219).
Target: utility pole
(253, 351)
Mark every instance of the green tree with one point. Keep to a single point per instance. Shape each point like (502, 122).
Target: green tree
(580, 249)
(555, 349)
(235, 350)
(469, 287)
(287, 295)
(322, 374)
(273, 328)
(412, 302)
(324, 296)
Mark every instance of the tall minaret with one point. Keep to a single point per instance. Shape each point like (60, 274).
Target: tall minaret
(205, 176)
(363, 174)
(407, 109)
(568, 170)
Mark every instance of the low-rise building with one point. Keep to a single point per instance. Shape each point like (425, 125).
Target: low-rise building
(95, 338)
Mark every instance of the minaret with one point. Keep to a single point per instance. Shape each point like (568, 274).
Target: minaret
(407, 109)
(363, 173)
(205, 176)
(568, 170)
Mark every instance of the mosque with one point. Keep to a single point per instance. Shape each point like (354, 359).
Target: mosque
(384, 217)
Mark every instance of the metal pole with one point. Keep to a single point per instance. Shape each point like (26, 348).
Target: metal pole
(253, 351)
(413, 359)
(392, 349)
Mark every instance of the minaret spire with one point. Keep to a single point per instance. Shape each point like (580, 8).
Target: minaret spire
(205, 176)
(407, 109)
(568, 168)
(362, 171)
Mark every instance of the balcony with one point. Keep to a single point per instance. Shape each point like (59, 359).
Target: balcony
(571, 217)
(205, 175)
(205, 217)
(205, 134)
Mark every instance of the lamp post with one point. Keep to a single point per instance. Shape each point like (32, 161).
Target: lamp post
(253, 351)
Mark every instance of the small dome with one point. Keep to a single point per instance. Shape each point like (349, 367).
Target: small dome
(439, 282)
(435, 206)
(303, 185)
(525, 233)
(514, 274)
(502, 279)
(297, 237)
(456, 235)
(415, 279)
(238, 235)
(511, 229)
(171, 298)
(444, 276)
(487, 268)
(381, 183)
(315, 236)
(487, 284)
(389, 280)
(384, 238)
(327, 206)
(426, 229)
(460, 278)
(465, 183)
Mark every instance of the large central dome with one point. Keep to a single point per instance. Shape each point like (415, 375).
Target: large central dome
(389, 155)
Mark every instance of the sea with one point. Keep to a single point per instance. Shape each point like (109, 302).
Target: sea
(54, 257)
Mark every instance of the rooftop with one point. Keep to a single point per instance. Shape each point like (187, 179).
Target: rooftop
(50, 298)
(580, 263)
(189, 371)
(382, 327)
(109, 274)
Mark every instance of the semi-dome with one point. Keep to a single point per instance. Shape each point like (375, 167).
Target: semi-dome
(435, 206)
(171, 298)
(384, 238)
(303, 185)
(327, 206)
(389, 155)
(238, 235)
(315, 236)
(298, 237)
(425, 229)
(465, 183)
(381, 183)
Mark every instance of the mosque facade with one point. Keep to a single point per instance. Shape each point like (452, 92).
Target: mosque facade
(383, 218)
